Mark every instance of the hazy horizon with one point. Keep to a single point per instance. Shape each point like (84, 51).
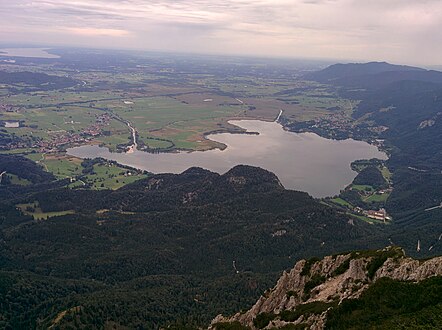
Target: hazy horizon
(404, 32)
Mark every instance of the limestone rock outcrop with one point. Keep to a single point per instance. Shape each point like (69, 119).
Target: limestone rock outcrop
(329, 281)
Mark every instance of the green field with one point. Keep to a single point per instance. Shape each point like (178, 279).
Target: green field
(47, 123)
(341, 202)
(116, 138)
(169, 119)
(362, 188)
(386, 173)
(42, 117)
(377, 198)
(14, 179)
(111, 177)
(62, 167)
(161, 144)
(54, 98)
(105, 176)
(35, 211)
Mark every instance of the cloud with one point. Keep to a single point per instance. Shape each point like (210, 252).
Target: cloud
(97, 32)
(395, 30)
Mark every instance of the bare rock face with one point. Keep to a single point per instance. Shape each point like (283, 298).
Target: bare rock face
(408, 269)
(327, 282)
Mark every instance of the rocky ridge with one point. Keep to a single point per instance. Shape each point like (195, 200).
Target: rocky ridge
(303, 295)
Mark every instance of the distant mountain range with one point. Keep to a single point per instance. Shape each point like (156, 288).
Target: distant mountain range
(373, 75)
(30, 80)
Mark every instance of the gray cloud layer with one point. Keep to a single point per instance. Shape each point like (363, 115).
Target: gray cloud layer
(396, 30)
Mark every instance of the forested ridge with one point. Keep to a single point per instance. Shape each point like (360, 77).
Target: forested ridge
(166, 249)
(405, 102)
(390, 304)
(411, 112)
(35, 80)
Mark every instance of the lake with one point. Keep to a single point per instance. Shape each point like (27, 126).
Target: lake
(303, 161)
(27, 52)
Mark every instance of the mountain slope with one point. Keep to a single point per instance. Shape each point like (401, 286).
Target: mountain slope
(35, 80)
(404, 112)
(170, 249)
(340, 70)
(338, 285)
(373, 75)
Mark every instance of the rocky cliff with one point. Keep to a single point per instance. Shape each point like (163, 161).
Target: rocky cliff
(305, 294)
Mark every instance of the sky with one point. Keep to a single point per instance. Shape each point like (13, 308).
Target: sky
(400, 31)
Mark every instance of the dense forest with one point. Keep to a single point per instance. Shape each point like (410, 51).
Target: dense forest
(163, 250)
(35, 81)
(390, 304)
(370, 176)
(25, 168)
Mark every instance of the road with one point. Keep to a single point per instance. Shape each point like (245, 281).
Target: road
(1, 176)
(41, 161)
(279, 116)
(434, 208)
(438, 240)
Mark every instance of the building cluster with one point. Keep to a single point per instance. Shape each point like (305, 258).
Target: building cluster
(380, 215)
(93, 130)
(337, 121)
(7, 108)
(339, 126)
(378, 129)
(97, 128)
(15, 144)
(61, 138)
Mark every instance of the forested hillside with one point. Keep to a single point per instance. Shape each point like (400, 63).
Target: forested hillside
(380, 289)
(32, 79)
(166, 249)
(406, 114)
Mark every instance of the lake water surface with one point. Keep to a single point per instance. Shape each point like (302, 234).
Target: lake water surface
(27, 52)
(304, 161)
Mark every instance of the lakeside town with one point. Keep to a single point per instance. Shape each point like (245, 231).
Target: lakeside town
(339, 126)
(57, 138)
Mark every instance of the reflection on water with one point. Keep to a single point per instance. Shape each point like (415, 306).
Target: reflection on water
(303, 161)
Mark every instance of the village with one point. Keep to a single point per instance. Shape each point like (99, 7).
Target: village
(65, 138)
(56, 139)
(7, 108)
(340, 126)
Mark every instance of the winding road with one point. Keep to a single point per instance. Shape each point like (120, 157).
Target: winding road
(1, 176)
(434, 208)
